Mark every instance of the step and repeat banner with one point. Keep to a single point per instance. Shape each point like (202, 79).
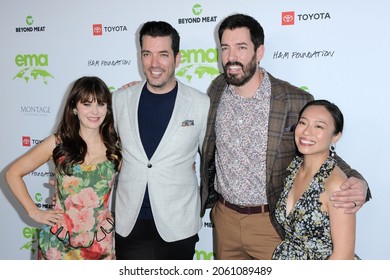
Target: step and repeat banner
(337, 50)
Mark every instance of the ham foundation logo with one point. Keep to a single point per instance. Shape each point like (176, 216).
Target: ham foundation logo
(288, 18)
(97, 29)
(41, 174)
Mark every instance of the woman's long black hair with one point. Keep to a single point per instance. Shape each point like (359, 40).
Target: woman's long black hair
(71, 148)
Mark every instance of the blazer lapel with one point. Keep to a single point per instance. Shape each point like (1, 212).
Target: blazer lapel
(133, 102)
(277, 119)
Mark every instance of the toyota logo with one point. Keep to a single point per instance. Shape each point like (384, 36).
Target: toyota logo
(288, 18)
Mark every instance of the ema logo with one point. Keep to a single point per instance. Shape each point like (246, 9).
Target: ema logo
(198, 64)
(97, 29)
(26, 141)
(32, 235)
(288, 18)
(203, 255)
(31, 65)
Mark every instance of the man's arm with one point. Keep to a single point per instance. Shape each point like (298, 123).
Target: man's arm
(354, 191)
(130, 84)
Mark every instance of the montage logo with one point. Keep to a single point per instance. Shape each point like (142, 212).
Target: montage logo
(197, 10)
(198, 64)
(35, 111)
(32, 67)
(30, 21)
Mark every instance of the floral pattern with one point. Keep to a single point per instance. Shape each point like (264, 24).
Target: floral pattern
(307, 227)
(88, 230)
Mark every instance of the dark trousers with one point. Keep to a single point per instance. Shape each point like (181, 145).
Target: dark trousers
(144, 243)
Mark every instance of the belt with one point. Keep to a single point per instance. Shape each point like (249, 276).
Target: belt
(245, 209)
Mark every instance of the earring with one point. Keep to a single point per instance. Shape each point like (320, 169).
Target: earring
(75, 111)
(332, 149)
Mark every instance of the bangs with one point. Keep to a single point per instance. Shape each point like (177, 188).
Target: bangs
(94, 95)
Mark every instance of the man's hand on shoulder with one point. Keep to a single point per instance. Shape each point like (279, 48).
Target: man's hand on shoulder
(130, 84)
(352, 195)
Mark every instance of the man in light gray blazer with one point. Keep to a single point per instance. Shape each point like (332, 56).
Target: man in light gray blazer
(161, 123)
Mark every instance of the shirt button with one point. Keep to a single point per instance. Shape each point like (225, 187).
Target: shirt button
(149, 165)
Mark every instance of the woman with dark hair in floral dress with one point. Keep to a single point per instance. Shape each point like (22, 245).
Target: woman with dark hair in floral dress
(86, 152)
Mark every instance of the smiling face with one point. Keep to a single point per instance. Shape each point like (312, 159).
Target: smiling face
(315, 131)
(159, 63)
(239, 59)
(91, 113)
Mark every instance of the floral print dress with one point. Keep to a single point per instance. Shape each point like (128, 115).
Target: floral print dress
(307, 227)
(88, 230)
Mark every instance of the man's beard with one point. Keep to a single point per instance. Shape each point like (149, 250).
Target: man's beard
(248, 72)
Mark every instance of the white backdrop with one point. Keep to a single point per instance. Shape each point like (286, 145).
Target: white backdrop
(338, 50)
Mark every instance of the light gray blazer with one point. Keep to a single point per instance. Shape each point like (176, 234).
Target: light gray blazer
(172, 182)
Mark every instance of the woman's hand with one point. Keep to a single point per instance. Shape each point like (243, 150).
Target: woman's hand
(48, 217)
